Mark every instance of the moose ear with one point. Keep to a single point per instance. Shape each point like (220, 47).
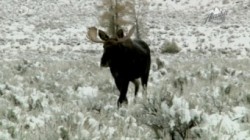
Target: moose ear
(103, 35)
(120, 33)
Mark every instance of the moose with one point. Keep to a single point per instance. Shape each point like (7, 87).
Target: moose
(127, 59)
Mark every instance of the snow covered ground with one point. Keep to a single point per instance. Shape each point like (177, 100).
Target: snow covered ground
(51, 85)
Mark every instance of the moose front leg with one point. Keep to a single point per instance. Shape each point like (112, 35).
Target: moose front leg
(122, 86)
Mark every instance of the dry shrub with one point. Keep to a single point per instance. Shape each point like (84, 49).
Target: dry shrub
(170, 47)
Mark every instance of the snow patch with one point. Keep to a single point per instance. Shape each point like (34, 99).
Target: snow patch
(87, 92)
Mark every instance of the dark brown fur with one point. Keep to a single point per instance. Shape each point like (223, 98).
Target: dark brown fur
(127, 60)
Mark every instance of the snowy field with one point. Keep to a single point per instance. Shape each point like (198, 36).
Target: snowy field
(52, 86)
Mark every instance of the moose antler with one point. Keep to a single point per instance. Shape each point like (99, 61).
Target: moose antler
(130, 33)
(92, 35)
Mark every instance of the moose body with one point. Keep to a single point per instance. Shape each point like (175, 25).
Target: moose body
(127, 59)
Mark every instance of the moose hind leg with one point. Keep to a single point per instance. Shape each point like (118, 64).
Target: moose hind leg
(136, 83)
(144, 82)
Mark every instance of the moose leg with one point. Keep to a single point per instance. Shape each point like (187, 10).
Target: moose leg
(145, 92)
(144, 82)
(122, 86)
(136, 83)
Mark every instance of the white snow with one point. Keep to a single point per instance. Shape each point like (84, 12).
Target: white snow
(4, 135)
(87, 92)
